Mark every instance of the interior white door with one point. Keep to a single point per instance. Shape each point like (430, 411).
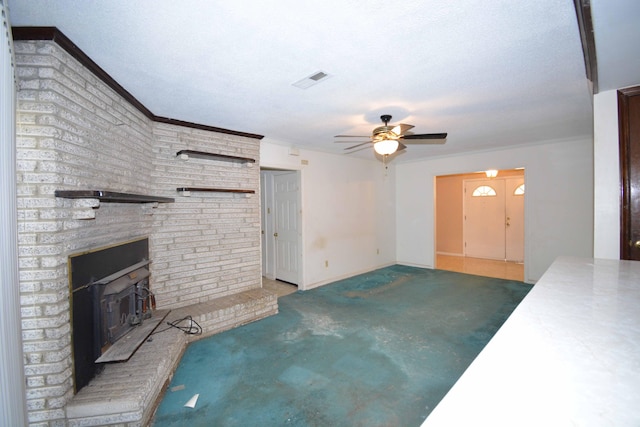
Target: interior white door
(266, 222)
(484, 219)
(287, 226)
(514, 239)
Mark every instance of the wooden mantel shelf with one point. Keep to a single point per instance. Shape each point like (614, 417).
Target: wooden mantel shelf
(214, 156)
(111, 196)
(215, 190)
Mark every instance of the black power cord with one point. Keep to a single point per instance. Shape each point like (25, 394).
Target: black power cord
(191, 328)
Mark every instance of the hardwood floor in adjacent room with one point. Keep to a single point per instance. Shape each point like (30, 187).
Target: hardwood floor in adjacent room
(481, 267)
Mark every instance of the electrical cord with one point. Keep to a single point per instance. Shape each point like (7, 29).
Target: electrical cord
(192, 328)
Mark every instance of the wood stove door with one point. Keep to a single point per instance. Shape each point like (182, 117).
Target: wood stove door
(85, 327)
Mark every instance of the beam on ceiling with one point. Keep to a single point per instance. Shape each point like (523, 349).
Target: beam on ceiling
(585, 26)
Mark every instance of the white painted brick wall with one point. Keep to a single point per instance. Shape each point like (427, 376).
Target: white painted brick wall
(207, 245)
(74, 132)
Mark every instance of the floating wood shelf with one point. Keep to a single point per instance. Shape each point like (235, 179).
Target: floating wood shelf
(216, 190)
(214, 156)
(111, 196)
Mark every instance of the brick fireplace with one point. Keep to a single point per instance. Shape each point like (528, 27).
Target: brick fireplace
(110, 297)
(77, 130)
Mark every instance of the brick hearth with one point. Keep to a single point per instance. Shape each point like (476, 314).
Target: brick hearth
(127, 393)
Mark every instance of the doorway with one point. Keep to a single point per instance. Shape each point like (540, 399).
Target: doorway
(281, 222)
(481, 234)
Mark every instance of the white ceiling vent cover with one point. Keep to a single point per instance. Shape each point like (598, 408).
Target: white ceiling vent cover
(311, 80)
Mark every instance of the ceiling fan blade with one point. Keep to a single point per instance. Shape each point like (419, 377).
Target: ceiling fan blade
(425, 141)
(401, 128)
(348, 142)
(359, 149)
(426, 136)
(356, 146)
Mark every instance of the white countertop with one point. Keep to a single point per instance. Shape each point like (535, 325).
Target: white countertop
(569, 355)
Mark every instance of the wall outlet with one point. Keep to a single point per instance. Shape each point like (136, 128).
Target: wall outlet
(377, 251)
(326, 263)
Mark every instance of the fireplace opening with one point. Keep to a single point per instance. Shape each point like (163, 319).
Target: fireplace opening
(110, 296)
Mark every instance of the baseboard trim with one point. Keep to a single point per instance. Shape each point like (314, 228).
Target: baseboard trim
(344, 276)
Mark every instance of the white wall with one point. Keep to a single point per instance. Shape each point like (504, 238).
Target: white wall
(558, 201)
(606, 239)
(348, 212)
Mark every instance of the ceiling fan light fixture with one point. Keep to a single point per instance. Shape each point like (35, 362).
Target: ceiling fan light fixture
(387, 139)
(386, 146)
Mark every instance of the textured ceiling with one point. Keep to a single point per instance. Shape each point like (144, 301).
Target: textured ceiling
(490, 73)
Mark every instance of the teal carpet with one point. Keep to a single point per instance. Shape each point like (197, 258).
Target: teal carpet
(378, 349)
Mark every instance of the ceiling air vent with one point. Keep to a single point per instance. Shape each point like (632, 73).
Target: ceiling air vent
(311, 80)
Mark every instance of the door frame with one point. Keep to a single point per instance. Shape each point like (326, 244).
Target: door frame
(627, 252)
(267, 221)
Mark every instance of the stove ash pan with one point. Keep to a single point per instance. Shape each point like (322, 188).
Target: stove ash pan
(124, 304)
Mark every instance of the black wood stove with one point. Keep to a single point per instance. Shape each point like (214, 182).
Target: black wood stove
(110, 296)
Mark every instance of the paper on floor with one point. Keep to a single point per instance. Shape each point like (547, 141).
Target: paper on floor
(192, 402)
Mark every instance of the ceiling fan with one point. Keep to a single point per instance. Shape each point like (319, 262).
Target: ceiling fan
(388, 139)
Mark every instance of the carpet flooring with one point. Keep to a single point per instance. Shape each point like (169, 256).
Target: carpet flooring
(378, 349)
